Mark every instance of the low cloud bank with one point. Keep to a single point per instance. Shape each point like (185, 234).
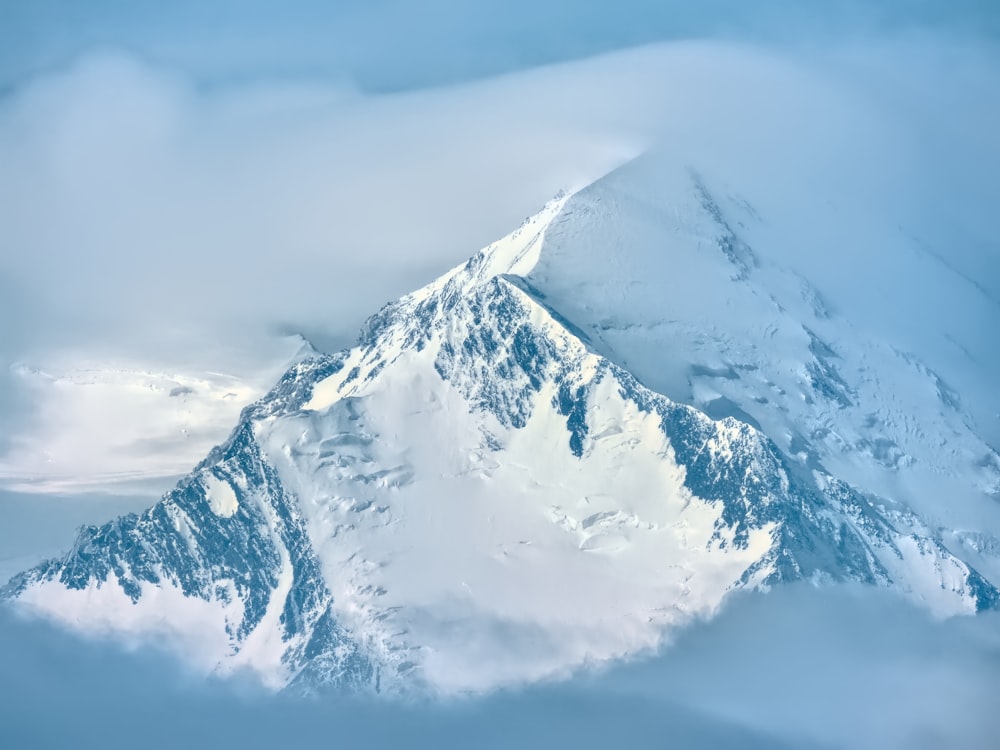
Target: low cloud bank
(799, 667)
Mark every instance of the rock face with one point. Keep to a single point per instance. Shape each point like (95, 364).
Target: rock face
(481, 493)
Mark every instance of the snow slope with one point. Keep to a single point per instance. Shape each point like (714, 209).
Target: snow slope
(843, 340)
(504, 479)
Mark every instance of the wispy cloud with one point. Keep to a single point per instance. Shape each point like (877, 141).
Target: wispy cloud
(176, 205)
(151, 225)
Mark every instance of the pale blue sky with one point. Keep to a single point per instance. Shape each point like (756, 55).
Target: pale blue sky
(394, 44)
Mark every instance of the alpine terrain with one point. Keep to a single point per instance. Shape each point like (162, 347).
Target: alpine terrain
(592, 432)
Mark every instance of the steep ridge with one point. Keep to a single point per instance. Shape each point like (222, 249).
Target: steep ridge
(480, 493)
(683, 282)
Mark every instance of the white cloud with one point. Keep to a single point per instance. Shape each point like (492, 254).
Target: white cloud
(153, 223)
(796, 668)
(151, 226)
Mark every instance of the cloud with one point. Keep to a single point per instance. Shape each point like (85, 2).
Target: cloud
(175, 202)
(799, 667)
(846, 666)
(150, 225)
(271, 200)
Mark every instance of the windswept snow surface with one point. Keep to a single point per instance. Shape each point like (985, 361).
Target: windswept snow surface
(502, 481)
(851, 347)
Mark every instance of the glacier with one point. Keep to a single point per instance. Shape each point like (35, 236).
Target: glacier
(588, 435)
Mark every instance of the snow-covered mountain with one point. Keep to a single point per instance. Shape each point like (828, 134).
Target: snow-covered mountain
(592, 432)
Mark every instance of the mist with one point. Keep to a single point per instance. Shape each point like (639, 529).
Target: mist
(798, 667)
(156, 223)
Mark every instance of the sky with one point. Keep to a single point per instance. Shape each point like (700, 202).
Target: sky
(392, 45)
(188, 187)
